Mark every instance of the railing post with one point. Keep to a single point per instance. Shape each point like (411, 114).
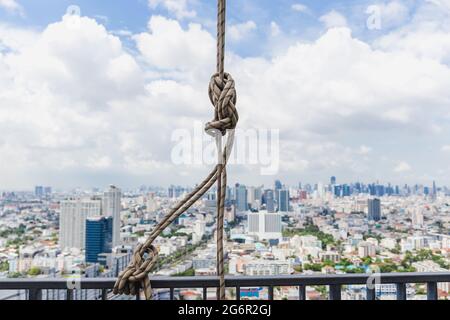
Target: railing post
(104, 294)
(301, 292)
(335, 292)
(69, 294)
(370, 293)
(238, 293)
(138, 291)
(270, 292)
(401, 291)
(205, 293)
(34, 294)
(432, 292)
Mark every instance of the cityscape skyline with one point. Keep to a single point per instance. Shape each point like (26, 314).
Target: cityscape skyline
(269, 231)
(324, 182)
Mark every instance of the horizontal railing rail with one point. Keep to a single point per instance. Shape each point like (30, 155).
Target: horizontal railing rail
(35, 286)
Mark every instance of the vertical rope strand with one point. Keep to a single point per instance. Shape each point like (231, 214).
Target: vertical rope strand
(222, 176)
(221, 20)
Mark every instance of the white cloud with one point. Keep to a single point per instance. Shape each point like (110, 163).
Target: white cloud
(12, 6)
(237, 32)
(393, 13)
(167, 46)
(427, 35)
(402, 167)
(440, 3)
(445, 148)
(179, 8)
(333, 19)
(364, 150)
(300, 8)
(274, 29)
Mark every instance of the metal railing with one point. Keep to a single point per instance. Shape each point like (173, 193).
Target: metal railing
(38, 288)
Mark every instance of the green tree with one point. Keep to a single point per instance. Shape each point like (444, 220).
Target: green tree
(34, 271)
(4, 266)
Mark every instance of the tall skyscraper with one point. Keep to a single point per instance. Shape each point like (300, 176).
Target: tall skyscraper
(374, 209)
(99, 231)
(283, 200)
(258, 198)
(434, 191)
(270, 200)
(72, 221)
(39, 191)
(111, 208)
(48, 191)
(241, 198)
(278, 185)
(333, 180)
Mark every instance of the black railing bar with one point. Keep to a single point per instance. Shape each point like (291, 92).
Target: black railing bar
(432, 292)
(401, 291)
(335, 292)
(302, 292)
(231, 281)
(270, 292)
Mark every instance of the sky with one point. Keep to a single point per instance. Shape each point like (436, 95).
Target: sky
(91, 92)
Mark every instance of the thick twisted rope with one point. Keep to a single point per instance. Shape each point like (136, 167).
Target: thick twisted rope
(222, 94)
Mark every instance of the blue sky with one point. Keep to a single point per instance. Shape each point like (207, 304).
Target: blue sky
(133, 15)
(92, 103)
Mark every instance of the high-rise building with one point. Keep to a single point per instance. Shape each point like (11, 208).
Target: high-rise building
(99, 231)
(434, 191)
(269, 200)
(264, 225)
(48, 191)
(283, 200)
(241, 198)
(417, 218)
(278, 185)
(374, 209)
(39, 191)
(258, 198)
(72, 221)
(333, 180)
(111, 208)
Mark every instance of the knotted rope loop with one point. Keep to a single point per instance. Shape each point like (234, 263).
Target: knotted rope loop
(135, 276)
(222, 94)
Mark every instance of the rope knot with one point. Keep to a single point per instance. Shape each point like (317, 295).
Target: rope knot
(135, 275)
(222, 94)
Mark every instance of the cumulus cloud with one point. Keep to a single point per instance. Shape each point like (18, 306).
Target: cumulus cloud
(12, 6)
(169, 47)
(402, 167)
(274, 29)
(427, 35)
(179, 8)
(333, 19)
(239, 31)
(364, 150)
(300, 8)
